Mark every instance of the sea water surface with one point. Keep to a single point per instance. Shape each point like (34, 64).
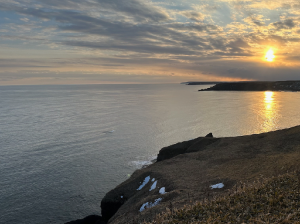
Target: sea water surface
(63, 147)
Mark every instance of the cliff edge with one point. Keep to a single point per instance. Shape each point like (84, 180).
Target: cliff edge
(193, 170)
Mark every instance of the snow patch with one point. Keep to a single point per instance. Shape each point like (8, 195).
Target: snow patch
(162, 190)
(121, 196)
(220, 185)
(144, 183)
(153, 179)
(150, 205)
(153, 186)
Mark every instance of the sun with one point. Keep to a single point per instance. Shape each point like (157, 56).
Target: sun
(270, 55)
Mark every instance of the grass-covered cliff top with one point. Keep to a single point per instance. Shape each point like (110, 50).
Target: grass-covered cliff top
(187, 170)
(273, 200)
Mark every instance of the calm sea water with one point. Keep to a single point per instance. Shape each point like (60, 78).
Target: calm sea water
(63, 147)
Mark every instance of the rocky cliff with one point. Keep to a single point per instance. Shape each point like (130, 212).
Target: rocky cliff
(185, 172)
(193, 170)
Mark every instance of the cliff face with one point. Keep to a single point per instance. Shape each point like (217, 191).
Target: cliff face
(256, 86)
(188, 171)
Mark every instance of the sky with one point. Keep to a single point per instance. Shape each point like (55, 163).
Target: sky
(144, 41)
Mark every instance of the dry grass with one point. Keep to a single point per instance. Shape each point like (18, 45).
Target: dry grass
(273, 200)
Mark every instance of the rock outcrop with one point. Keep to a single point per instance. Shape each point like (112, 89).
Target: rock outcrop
(210, 135)
(185, 147)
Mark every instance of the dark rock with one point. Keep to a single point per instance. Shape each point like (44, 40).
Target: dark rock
(201, 144)
(185, 147)
(109, 206)
(92, 219)
(210, 135)
(174, 150)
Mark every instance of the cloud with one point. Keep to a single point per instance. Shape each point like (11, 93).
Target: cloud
(193, 15)
(24, 20)
(151, 38)
(286, 24)
(238, 45)
(138, 10)
(255, 19)
(141, 10)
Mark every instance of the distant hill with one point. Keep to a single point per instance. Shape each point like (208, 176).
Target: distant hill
(199, 83)
(256, 86)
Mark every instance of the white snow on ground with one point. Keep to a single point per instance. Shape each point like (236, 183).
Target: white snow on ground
(162, 190)
(153, 179)
(144, 183)
(153, 186)
(150, 205)
(121, 196)
(220, 185)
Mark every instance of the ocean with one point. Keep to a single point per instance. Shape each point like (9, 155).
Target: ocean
(63, 147)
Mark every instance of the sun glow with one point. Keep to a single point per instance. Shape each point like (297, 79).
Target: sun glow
(270, 55)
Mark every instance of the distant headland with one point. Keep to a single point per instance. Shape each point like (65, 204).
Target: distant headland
(199, 83)
(256, 86)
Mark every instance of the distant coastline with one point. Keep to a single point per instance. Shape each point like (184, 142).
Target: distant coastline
(256, 86)
(200, 83)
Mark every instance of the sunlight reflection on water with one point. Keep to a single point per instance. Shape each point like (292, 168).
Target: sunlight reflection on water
(269, 112)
